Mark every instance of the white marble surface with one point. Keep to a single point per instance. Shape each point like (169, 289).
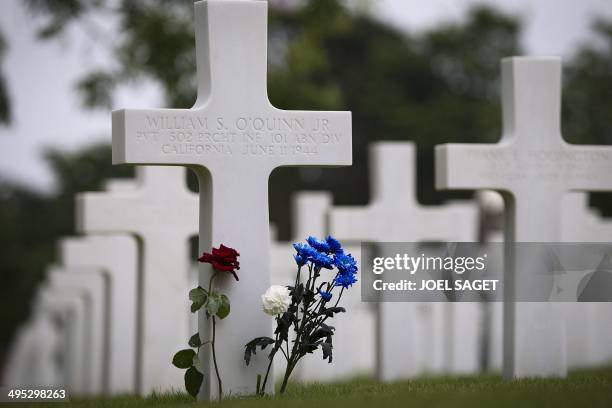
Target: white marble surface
(89, 283)
(116, 256)
(233, 138)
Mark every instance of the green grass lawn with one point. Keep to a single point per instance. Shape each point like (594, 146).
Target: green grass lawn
(589, 389)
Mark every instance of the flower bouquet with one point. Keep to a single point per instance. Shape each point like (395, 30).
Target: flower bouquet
(324, 270)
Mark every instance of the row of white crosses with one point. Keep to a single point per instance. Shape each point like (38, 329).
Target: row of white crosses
(58, 318)
(90, 371)
(233, 138)
(116, 256)
(162, 214)
(133, 273)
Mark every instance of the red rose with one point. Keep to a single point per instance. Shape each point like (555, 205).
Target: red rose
(223, 259)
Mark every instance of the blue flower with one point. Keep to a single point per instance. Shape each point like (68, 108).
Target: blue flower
(299, 260)
(318, 244)
(345, 280)
(346, 264)
(305, 251)
(322, 260)
(334, 245)
(326, 296)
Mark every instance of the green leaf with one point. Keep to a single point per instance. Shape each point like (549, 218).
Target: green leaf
(193, 381)
(224, 308)
(183, 358)
(213, 304)
(198, 296)
(195, 341)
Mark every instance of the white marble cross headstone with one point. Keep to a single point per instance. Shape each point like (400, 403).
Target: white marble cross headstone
(32, 358)
(163, 215)
(394, 214)
(534, 167)
(73, 311)
(233, 138)
(589, 330)
(116, 256)
(491, 224)
(418, 344)
(92, 285)
(582, 223)
(24, 357)
(310, 214)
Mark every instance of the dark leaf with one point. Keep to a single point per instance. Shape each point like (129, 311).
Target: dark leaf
(184, 358)
(322, 332)
(327, 351)
(195, 341)
(308, 348)
(329, 312)
(251, 347)
(283, 324)
(193, 381)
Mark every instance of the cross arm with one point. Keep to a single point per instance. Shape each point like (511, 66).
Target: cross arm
(347, 223)
(588, 167)
(304, 138)
(212, 137)
(473, 166)
(102, 212)
(139, 135)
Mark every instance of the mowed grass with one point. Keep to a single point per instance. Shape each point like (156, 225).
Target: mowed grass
(590, 389)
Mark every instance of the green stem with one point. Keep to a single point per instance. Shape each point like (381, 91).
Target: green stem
(288, 371)
(294, 355)
(318, 323)
(214, 356)
(212, 278)
(263, 386)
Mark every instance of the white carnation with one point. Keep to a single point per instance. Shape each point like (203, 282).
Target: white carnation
(276, 300)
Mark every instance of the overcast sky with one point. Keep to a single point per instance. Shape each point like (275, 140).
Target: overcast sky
(46, 109)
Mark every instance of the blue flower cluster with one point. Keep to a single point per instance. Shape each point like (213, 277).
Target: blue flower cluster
(327, 253)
